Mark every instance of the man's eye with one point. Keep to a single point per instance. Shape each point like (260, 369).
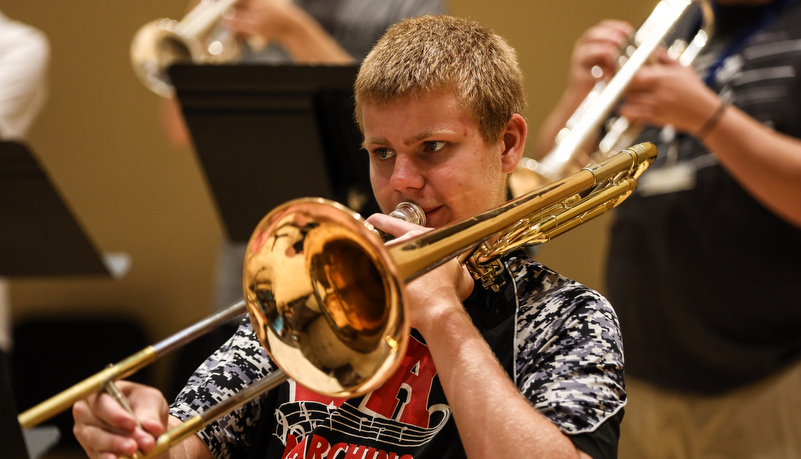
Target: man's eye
(383, 153)
(434, 145)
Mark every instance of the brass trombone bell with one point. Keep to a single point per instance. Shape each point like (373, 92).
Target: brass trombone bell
(324, 297)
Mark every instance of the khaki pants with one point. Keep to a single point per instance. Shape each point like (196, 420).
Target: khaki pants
(758, 421)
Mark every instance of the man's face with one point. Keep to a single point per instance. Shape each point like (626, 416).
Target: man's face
(428, 150)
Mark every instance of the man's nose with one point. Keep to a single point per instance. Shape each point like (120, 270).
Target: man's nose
(406, 174)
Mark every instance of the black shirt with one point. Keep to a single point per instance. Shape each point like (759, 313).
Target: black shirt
(704, 278)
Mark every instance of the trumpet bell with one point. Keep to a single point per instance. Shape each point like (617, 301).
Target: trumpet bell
(154, 49)
(197, 38)
(324, 298)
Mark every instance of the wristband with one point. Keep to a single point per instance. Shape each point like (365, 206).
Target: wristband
(712, 121)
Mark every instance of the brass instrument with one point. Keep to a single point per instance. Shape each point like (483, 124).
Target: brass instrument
(197, 38)
(325, 295)
(585, 123)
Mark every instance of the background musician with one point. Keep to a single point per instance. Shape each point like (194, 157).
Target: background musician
(703, 260)
(439, 101)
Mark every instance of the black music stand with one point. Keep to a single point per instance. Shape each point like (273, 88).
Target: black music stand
(265, 134)
(18, 445)
(38, 234)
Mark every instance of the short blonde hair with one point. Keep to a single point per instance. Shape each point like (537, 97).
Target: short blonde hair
(445, 53)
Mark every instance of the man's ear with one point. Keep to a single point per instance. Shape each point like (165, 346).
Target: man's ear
(514, 142)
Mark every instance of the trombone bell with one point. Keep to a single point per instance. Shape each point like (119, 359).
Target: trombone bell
(324, 298)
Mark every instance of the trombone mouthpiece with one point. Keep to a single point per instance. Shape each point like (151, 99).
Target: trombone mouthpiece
(406, 211)
(410, 212)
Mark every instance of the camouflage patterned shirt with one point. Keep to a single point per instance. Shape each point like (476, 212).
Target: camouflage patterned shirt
(557, 340)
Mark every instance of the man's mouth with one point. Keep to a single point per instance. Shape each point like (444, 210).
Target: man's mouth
(431, 213)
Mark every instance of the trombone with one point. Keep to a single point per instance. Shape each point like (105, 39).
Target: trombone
(325, 295)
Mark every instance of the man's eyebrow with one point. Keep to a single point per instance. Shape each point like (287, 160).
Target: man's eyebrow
(426, 134)
(374, 140)
(409, 140)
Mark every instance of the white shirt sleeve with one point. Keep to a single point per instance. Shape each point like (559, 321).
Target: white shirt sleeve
(24, 57)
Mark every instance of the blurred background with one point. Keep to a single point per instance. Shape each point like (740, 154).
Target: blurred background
(101, 141)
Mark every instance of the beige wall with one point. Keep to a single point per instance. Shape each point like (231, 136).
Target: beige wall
(100, 140)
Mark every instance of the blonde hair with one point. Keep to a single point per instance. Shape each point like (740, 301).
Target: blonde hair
(445, 53)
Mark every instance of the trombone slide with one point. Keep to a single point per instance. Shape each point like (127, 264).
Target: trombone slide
(124, 368)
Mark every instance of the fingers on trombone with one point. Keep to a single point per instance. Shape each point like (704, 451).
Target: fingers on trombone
(111, 389)
(98, 441)
(395, 226)
(139, 404)
(148, 404)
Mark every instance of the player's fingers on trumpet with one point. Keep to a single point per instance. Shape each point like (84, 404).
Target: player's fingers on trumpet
(597, 49)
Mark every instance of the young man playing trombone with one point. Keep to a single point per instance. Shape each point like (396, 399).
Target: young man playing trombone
(532, 370)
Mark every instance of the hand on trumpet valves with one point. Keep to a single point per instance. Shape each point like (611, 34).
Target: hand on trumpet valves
(436, 293)
(659, 94)
(595, 54)
(105, 429)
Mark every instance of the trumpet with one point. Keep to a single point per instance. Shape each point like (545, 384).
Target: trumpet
(325, 295)
(198, 37)
(585, 123)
